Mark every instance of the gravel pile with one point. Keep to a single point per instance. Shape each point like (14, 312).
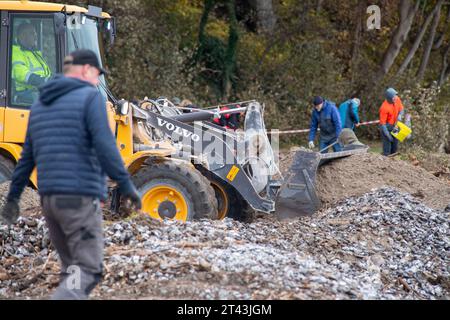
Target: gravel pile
(359, 174)
(383, 245)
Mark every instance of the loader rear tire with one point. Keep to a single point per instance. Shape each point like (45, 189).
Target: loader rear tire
(6, 169)
(231, 204)
(171, 190)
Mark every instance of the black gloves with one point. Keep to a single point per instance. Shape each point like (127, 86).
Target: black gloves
(129, 192)
(10, 212)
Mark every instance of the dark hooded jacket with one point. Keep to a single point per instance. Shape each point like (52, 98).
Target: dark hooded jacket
(70, 142)
(329, 122)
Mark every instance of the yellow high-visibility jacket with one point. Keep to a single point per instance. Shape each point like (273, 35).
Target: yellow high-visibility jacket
(24, 64)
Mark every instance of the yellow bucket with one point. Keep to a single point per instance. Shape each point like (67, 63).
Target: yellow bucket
(402, 132)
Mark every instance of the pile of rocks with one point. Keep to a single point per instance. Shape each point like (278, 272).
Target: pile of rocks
(30, 198)
(383, 245)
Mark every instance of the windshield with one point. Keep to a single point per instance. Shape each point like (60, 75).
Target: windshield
(83, 33)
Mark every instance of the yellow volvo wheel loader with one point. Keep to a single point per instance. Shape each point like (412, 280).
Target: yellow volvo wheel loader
(184, 165)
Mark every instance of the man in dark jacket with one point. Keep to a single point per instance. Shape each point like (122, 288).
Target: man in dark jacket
(71, 144)
(326, 117)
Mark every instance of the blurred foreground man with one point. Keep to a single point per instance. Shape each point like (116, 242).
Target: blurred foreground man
(71, 144)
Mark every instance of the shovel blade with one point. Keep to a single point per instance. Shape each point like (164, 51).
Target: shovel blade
(298, 196)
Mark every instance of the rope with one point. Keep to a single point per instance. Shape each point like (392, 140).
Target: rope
(308, 130)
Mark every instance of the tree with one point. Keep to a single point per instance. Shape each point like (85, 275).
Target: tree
(319, 5)
(419, 39)
(441, 37)
(430, 42)
(360, 9)
(218, 58)
(407, 13)
(266, 18)
(445, 71)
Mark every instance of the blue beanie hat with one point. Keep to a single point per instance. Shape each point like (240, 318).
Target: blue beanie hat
(391, 93)
(317, 101)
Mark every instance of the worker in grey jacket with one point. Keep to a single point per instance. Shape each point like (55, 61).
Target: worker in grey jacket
(71, 144)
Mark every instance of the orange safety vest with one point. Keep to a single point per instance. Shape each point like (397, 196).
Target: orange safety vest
(389, 111)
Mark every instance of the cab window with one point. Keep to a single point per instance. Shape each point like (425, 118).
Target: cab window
(83, 33)
(33, 57)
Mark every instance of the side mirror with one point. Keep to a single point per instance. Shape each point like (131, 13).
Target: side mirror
(59, 22)
(94, 11)
(110, 30)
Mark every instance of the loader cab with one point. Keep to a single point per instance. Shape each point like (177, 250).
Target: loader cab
(34, 39)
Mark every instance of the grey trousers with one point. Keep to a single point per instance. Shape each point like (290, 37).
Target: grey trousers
(76, 232)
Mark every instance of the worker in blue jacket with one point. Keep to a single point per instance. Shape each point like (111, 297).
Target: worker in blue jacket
(326, 117)
(349, 112)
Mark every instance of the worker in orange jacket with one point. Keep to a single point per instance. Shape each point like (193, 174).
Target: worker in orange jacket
(391, 111)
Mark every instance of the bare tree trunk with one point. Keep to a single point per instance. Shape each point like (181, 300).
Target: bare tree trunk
(358, 36)
(440, 40)
(407, 13)
(419, 39)
(359, 28)
(445, 72)
(265, 15)
(424, 8)
(430, 42)
(319, 5)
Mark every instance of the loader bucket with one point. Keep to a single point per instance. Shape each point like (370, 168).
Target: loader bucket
(298, 196)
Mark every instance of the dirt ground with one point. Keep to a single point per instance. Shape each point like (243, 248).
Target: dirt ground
(349, 250)
(30, 198)
(436, 163)
(383, 245)
(359, 174)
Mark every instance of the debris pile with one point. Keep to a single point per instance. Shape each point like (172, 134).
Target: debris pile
(30, 198)
(382, 245)
(359, 174)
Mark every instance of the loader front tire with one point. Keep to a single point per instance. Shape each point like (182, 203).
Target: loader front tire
(231, 204)
(175, 191)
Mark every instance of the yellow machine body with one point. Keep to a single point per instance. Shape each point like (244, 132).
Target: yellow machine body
(139, 152)
(14, 121)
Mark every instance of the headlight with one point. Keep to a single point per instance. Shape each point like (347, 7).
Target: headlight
(124, 107)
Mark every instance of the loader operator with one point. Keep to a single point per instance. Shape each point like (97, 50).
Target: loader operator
(326, 117)
(29, 68)
(71, 144)
(391, 112)
(230, 121)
